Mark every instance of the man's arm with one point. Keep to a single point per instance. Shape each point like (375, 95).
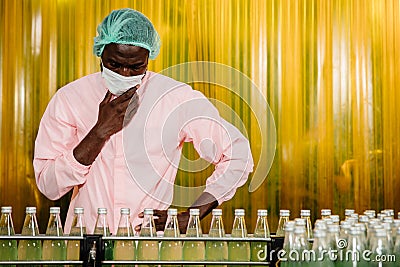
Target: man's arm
(61, 160)
(110, 121)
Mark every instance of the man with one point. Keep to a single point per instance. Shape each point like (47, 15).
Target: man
(116, 137)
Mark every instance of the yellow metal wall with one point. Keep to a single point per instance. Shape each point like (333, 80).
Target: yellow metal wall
(328, 69)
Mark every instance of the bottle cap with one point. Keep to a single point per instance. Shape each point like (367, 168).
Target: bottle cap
(363, 218)
(102, 211)
(387, 219)
(305, 213)
(360, 227)
(125, 211)
(239, 212)
(396, 223)
(262, 212)
(194, 212)
(172, 212)
(370, 213)
(217, 212)
(335, 218)
(6, 209)
(300, 222)
(320, 224)
(354, 230)
(284, 213)
(380, 232)
(148, 211)
(348, 212)
(30, 209)
(54, 210)
(326, 212)
(289, 226)
(78, 210)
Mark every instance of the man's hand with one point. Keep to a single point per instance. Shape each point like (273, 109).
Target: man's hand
(205, 203)
(112, 113)
(160, 219)
(110, 120)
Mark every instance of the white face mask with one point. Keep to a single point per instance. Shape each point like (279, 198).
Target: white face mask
(118, 84)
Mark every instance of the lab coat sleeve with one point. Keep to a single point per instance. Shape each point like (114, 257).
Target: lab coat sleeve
(56, 169)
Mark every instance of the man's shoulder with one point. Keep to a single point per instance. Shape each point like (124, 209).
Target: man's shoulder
(157, 78)
(87, 81)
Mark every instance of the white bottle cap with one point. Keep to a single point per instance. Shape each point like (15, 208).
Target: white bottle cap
(30, 209)
(194, 212)
(102, 211)
(300, 222)
(262, 212)
(54, 210)
(217, 212)
(172, 212)
(335, 218)
(6, 209)
(239, 212)
(326, 212)
(125, 211)
(78, 210)
(289, 226)
(348, 212)
(148, 211)
(284, 213)
(305, 213)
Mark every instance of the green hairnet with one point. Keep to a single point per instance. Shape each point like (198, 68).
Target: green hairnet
(127, 26)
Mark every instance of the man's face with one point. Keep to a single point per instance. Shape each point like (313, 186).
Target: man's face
(126, 60)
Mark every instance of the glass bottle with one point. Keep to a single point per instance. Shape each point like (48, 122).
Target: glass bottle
(335, 219)
(332, 239)
(54, 250)
(348, 212)
(171, 250)
(353, 252)
(239, 250)
(30, 249)
(300, 244)
(288, 242)
(325, 213)
(124, 249)
(319, 256)
(217, 250)
(194, 250)
(283, 218)
(147, 250)
(78, 229)
(102, 228)
(396, 248)
(306, 214)
(8, 248)
(259, 249)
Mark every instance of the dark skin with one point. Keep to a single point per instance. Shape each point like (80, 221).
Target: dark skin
(128, 60)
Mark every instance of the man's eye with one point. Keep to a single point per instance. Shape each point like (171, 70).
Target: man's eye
(114, 65)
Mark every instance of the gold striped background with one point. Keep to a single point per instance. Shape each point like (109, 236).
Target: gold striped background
(328, 69)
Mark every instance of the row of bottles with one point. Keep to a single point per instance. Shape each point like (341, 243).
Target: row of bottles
(358, 240)
(126, 249)
(192, 250)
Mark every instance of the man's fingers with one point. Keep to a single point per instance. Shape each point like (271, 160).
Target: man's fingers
(107, 97)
